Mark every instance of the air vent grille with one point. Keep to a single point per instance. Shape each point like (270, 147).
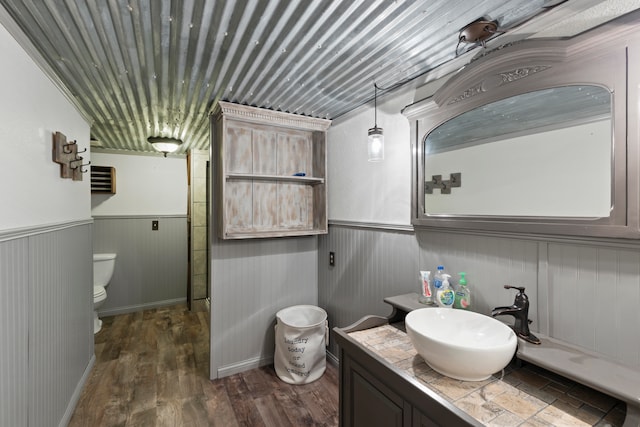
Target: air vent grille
(103, 179)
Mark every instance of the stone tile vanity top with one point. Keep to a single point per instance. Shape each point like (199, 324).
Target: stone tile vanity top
(520, 396)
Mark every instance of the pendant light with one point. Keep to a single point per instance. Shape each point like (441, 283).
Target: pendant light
(375, 140)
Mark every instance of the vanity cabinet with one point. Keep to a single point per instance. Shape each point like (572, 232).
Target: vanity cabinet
(270, 176)
(371, 403)
(383, 381)
(375, 393)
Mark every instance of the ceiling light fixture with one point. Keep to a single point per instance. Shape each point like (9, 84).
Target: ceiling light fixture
(375, 140)
(164, 145)
(478, 32)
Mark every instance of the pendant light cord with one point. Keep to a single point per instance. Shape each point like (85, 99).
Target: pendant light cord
(375, 105)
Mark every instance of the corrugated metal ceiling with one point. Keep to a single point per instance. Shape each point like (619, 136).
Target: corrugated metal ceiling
(143, 68)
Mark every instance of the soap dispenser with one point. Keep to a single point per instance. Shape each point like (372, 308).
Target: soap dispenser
(463, 294)
(445, 295)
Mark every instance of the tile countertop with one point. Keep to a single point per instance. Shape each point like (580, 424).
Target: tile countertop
(525, 396)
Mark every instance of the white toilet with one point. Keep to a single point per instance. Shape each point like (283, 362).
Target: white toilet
(103, 265)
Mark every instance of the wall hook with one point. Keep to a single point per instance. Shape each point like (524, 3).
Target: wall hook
(82, 151)
(81, 165)
(69, 150)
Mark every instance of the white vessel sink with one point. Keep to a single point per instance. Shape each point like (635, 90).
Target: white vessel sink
(461, 344)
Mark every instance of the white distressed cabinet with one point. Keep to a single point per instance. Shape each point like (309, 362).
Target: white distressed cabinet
(270, 172)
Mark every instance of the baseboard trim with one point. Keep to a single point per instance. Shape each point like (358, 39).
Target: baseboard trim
(75, 397)
(333, 359)
(245, 365)
(140, 307)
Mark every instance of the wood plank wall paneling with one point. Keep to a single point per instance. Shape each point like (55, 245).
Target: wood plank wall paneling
(369, 265)
(151, 266)
(586, 294)
(60, 319)
(251, 280)
(594, 296)
(14, 274)
(490, 263)
(46, 324)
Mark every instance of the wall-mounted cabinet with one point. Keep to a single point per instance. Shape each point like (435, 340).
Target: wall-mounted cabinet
(270, 172)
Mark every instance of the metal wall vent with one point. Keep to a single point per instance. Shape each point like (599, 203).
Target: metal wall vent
(103, 179)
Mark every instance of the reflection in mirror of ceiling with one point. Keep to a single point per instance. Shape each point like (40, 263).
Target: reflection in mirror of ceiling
(523, 114)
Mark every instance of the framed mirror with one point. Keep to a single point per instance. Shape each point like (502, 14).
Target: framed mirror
(529, 139)
(523, 155)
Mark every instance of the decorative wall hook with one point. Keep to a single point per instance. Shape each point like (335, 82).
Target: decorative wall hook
(66, 154)
(70, 147)
(445, 186)
(81, 165)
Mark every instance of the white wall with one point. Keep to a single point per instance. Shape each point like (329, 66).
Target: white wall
(363, 191)
(32, 109)
(145, 185)
(45, 281)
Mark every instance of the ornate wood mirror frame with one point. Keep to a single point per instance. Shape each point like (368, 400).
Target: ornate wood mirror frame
(605, 57)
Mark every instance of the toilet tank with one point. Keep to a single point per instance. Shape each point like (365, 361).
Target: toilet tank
(103, 265)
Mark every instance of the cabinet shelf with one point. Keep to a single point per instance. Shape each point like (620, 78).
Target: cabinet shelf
(286, 178)
(255, 153)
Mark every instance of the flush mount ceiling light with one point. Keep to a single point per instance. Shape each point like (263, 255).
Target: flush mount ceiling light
(478, 32)
(164, 145)
(375, 140)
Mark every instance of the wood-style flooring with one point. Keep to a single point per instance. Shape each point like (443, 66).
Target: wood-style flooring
(152, 369)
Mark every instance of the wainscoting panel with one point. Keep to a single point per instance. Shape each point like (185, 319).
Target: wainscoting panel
(14, 321)
(369, 266)
(46, 323)
(584, 293)
(251, 280)
(490, 263)
(594, 299)
(60, 319)
(151, 267)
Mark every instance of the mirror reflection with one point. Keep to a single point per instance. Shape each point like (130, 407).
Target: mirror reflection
(543, 153)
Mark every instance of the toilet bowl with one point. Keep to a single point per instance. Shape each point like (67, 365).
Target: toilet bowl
(103, 265)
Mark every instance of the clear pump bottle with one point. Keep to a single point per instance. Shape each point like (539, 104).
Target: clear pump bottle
(438, 279)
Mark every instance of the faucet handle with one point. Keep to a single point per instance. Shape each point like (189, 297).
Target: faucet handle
(520, 288)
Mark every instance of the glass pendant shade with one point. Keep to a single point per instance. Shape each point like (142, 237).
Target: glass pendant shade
(375, 140)
(375, 145)
(164, 145)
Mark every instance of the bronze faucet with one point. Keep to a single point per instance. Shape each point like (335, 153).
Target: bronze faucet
(520, 311)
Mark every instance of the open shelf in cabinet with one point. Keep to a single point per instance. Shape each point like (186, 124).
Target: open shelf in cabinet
(302, 179)
(258, 155)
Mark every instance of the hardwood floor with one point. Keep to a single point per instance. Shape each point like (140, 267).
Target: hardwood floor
(152, 369)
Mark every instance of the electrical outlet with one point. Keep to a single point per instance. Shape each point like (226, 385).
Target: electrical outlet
(332, 258)
(154, 225)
